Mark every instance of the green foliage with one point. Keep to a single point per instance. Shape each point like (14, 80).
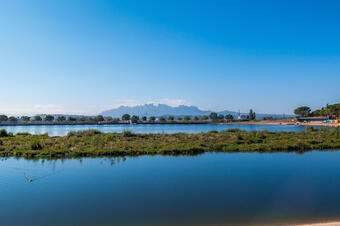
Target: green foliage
(135, 118)
(187, 118)
(71, 119)
(251, 115)
(179, 118)
(82, 119)
(229, 117)
(213, 116)
(109, 119)
(204, 117)
(3, 118)
(196, 118)
(152, 118)
(25, 118)
(100, 118)
(36, 145)
(220, 117)
(128, 133)
(3, 133)
(171, 118)
(61, 119)
(49, 118)
(126, 117)
(268, 118)
(95, 143)
(12, 119)
(162, 119)
(333, 109)
(144, 118)
(37, 118)
(302, 111)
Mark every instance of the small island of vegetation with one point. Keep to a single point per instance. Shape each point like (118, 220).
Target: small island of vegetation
(94, 143)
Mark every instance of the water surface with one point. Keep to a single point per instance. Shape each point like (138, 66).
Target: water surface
(62, 130)
(219, 189)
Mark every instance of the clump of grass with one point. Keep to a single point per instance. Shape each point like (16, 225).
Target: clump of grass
(36, 145)
(128, 133)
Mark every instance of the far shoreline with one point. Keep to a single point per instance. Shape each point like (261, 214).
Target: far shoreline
(262, 122)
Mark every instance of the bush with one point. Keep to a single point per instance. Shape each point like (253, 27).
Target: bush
(3, 133)
(128, 133)
(36, 145)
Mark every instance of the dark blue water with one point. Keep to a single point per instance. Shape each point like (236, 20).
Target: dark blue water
(62, 130)
(218, 189)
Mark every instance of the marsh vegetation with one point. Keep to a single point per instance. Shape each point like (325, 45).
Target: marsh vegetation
(96, 143)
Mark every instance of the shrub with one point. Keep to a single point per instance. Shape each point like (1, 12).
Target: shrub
(3, 133)
(128, 133)
(36, 145)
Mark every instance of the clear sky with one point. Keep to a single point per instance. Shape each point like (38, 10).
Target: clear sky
(87, 56)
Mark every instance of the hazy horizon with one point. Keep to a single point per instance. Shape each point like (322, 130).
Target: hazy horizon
(84, 57)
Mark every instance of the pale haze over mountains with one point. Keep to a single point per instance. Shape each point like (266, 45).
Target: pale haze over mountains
(163, 110)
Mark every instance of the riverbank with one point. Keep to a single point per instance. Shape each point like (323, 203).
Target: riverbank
(333, 223)
(283, 122)
(95, 143)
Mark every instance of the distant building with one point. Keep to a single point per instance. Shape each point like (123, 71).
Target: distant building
(239, 116)
(318, 119)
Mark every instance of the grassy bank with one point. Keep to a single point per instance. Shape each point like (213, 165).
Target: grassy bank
(95, 143)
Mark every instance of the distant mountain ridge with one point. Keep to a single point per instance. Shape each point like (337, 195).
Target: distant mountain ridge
(165, 110)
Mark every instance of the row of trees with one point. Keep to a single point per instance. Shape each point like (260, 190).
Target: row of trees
(50, 118)
(305, 111)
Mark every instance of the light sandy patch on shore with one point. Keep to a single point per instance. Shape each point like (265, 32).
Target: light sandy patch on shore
(335, 223)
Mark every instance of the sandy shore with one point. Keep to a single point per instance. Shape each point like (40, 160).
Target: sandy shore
(335, 223)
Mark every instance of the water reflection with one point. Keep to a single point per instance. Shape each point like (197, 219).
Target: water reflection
(209, 189)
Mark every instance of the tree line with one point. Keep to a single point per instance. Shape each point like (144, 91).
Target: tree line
(329, 110)
(126, 117)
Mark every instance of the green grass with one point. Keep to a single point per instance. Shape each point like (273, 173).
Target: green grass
(94, 143)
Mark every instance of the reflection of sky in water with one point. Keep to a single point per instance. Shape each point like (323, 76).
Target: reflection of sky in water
(236, 189)
(61, 130)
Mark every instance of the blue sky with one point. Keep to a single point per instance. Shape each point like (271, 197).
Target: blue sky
(87, 56)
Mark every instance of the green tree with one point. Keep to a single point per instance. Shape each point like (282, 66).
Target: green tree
(100, 118)
(302, 111)
(179, 118)
(126, 117)
(213, 116)
(3, 118)
(196, 118)
(251, 115)
(25, 118)
(171, 118)
(220, 117)
(135, 118)
(162, 119)
(204, 117)
(144, 118)
(49, 118)
(71, 119)
(82, 119)
(116, 120)
(61, 119)
(229, 117)
(109, 119)
(187, 118)
(13, 119)
(37, 118)
(152, 118)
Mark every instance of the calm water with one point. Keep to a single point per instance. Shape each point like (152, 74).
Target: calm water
(61, 130)
(219, 189)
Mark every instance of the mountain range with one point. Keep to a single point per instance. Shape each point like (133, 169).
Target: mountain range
(165, 110)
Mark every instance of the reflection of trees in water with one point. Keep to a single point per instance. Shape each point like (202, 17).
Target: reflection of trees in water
(111, 160)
